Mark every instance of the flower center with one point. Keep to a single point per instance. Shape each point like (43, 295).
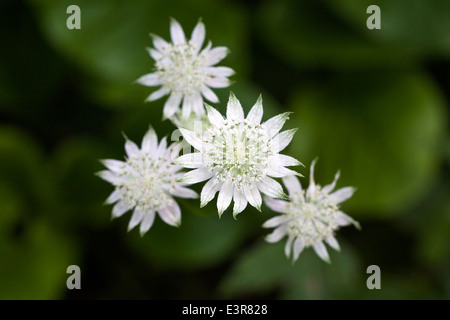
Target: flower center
(238, 151)
(146, 182)
(313, 218)
(182, 69)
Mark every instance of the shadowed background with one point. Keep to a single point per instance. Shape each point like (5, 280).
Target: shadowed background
(372, 104)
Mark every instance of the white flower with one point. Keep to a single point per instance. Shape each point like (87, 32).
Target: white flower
(310, 217)
(185, 71)
(239, 156)
(146, 182)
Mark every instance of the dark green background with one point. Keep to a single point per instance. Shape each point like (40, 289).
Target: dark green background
(373, 104)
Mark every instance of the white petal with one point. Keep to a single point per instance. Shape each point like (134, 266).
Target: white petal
(216, 54)
(274, 221)
(288, 246)
(176, 211)
(149, 80)
(159, 43)
(176, 32)
(113, 197)
(209, 94)
(256, 112)
(331, 240)
(207, 49)
(136, 218)
(172, 105)
(218, 82)
(285, 161)
(271, 188)
(274, 124)
(147, 222)
(342, 194)
(312, 185)
(119, 209)
(344, 220)
(190, 160)
(240, 202)
(184, 192)
(150, 141)
(132, 149)
(172, 154)
(329, 187)
(219, 71)
(293, 185)
(171, 214)
(114, 165)
(191, 138)
(234, 109)
(209, 191)
(162, 148)
(321, 251)
(276, 205)
(110, 177)
(299, 245)
(214, 116)
(175, 149)
(225, 196)
(197, 105)
(187, 107)
(278, 171)
(253, 196)
(198, 35)
(277, 234)
(157, 94)
(311, 171)
(196, 175)
(155, 54)
(282, 140)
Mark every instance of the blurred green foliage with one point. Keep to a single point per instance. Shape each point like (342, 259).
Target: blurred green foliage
(371, 103)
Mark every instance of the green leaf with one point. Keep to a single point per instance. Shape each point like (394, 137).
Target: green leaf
(34, 257)
(309, 35)
(416, 25)
(12, 208)
(34, 263)
(110, 46)
(264, 269)
(23, 168)
(384, 132)
(203, 240)
(30, 72)
(80, 192)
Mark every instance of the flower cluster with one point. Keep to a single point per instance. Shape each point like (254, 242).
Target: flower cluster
(310, 217)
(146, 182)
(236, 156)
(239, 156)
(185, 71)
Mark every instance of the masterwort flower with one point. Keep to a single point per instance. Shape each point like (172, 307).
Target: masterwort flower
(310, 217)
(239, 156)
(186, 71)
(147, 183)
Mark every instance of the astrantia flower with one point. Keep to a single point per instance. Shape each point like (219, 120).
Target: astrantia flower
(186, 71)
(147, 183)
(310, 217)
(239, 156)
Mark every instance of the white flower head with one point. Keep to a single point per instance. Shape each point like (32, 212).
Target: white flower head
(147, 183)
(186, 71)
(239, 156)
(310, 217)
